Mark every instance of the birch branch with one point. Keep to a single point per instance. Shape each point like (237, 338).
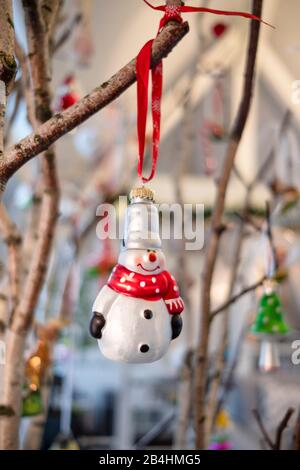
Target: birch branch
(61, 123)
(213, 243)
(7, 62)
(262, 428)
(236, 297)
(13, 240)
(25, 83)
(39, 65)
(21, 320)
(66, 34)
(185, 385)
(7, 72)
(2, 116)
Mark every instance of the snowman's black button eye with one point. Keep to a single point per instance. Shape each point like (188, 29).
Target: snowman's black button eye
(144, 348)
(148, 314)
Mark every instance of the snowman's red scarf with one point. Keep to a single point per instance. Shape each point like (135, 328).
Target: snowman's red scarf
(148, 287)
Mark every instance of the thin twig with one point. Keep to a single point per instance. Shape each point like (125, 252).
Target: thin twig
(269, 233)
(13, 239)
(236, 297)
(248, 220)
(239, 176)
(8, 66)
(220, 360)
(61, 123)
(268, 160)
(262, 428)
(67, 33)
(230, 373)
(22, 317)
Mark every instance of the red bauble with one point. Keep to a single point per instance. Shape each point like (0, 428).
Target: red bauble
(69, 94)
(218, 29)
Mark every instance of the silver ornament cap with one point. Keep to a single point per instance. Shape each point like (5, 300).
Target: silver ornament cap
(141, 228)
(268, 357)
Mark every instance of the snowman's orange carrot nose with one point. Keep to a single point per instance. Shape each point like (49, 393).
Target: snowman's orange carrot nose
(152, 257)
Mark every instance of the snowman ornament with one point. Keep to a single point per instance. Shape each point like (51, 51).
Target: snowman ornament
(137, 313)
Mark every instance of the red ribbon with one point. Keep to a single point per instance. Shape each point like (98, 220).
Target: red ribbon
(143, 64)
(172, 12)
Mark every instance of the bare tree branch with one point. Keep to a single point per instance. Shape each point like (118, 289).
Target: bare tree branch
(281, 427)
(262, 428)
(25, 83)
(276, 445)
(38, 43)
(67, 33)
(236, 297)
(213, 243)
(61, 123)
(7, 62)
(7, 71)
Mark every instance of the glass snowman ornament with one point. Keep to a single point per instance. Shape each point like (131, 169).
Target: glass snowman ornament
(137, 313)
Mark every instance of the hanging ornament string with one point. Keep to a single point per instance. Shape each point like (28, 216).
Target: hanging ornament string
(270, 264)
(143, 65)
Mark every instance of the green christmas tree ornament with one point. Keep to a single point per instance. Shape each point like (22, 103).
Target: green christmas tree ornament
(269, 324)
(32, 403)
(269, 319)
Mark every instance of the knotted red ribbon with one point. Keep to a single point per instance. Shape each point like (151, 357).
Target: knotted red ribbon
(173, 12)
(143, 64)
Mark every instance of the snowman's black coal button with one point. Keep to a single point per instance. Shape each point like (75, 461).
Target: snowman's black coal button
(96, 324)
(144, 348)
(148, 314)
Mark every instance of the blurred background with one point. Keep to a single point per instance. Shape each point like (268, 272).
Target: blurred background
(87, 401)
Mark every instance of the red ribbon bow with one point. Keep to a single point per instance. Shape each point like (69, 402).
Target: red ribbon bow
(173, 12)
(143, 63)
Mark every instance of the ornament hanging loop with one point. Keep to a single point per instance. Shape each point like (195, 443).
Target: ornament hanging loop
(143, 64)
